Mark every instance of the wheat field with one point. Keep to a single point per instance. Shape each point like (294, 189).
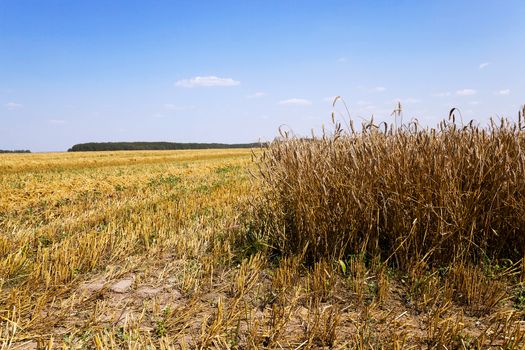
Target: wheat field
(175, 250)
(75, 225)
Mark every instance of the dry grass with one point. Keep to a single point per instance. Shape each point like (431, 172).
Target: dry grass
(442, 208)
(70, 230)
(404, 194)
(166, 250)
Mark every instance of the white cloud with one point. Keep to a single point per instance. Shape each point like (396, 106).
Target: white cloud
(379, 89)
(13, 106)
(172, 107)
(341, 59)
(206, 82)
(442, 94)
(329, 99)
(296, 102)
(484, 65)
(56, 121)
(466, 92)
(258, 94)
(505, 92)
(408, 100)
(474, 103)
(374, 110)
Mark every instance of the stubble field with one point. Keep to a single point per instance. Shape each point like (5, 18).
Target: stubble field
(171, 250)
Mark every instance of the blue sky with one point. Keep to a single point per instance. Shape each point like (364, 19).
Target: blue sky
(234, 71)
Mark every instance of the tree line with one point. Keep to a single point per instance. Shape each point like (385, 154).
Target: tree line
(150, 146)
(15, 151)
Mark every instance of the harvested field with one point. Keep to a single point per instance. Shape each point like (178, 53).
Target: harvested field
(165, 250)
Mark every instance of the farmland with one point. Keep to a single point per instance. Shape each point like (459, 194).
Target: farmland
(72, 223)
(245, 175)
(215, 249)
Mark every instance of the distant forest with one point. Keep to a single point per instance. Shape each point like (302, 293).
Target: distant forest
(15, 151)
(150, 146)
